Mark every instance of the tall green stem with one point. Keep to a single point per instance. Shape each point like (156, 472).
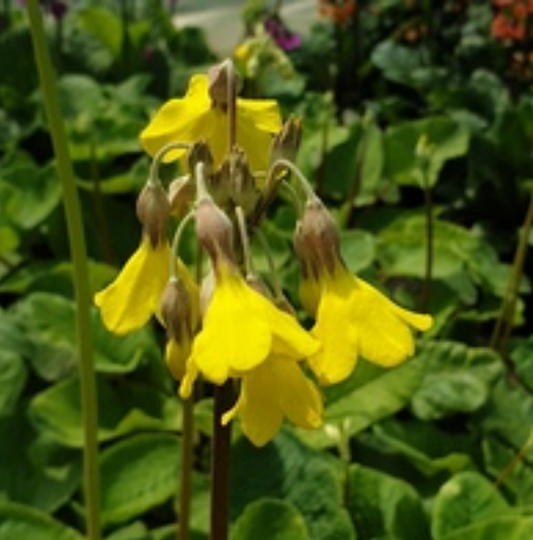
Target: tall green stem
(428, 273)
(220, 466)
(187, 445)
(504, 324)
(81, 276)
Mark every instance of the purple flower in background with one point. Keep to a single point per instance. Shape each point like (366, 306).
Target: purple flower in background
(57, 8)
(284, 38)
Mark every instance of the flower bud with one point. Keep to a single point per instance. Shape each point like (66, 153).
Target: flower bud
(180, 195)
(316, 240)
(153, 210)
(177, 311)
(201, 153)
(219, 83)
(287, 142)
(214, 230)
(243, 186)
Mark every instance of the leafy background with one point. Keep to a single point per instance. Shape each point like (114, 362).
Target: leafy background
(404, 96)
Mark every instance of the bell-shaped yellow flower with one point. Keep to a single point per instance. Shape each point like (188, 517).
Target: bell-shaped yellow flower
(133, 297)
(276, 389)
(196, 117)
(241, 329)
(352, 319)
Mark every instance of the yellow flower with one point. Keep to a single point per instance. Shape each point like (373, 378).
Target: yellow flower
(133, 297)
(196, 117)
(352, 319)
(241, 329)
(274, 390)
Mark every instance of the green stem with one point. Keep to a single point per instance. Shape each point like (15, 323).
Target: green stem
(81, 275)
(187, 445)
(504, 324)
(428, 273)
(220, 466)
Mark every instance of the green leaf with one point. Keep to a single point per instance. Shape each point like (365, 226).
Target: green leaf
(13, 375)
(445, 138)
(383, 506)
(18, 521)
(105, 32)
(367, 403)
(508, 414)
(28, 192)
(428, 448)
(289, 470)
(124, 408)
(358, 249)
(49, 322)
(508, 527)
(270, 519)
(26, 480)
(458, 379)
(137, 474)
(135, 531)
(522, 357)
(457, 251)
(514, 472)
(466, 499)
(397, 62)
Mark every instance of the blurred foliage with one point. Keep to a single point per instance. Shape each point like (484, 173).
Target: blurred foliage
(399, 98)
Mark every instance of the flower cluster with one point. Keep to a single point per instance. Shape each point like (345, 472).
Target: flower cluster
(511, 19)
(230, 325)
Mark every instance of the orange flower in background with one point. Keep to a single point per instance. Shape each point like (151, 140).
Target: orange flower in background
(340, 12)
(511, 19)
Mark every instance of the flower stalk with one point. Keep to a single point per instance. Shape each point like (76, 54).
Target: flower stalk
(81, 275)
(504, 324)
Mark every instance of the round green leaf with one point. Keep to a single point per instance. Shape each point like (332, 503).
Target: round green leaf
(270, 519)
(467, 498)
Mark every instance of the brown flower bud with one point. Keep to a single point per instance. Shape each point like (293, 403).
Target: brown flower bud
(316, 240)
(177, 311)
(218, 184)
(201, 153)
(243, 186)
(214, 230)
(153, 210)
(181, 193)
(287, 142)
(219, 83)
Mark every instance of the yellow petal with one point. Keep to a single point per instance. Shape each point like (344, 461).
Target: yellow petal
(234, 336)
(176, 355)
(275, 389)
(180, 120)
(299, 398)
(257, 408)
(353, 319)
(334, 328)
(128, 302)
(241, 328)
(310, 291)
(257, 120)
(384, 328)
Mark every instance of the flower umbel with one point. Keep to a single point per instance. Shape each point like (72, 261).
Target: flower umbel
(238, 328)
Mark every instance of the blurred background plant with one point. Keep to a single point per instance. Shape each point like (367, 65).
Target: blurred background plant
(418, 125)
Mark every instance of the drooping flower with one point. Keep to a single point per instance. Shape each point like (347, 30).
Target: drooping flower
(276, 389)
(197, 116)
(133, 297)
(352, 318)
(241, 330)
(373, 326)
